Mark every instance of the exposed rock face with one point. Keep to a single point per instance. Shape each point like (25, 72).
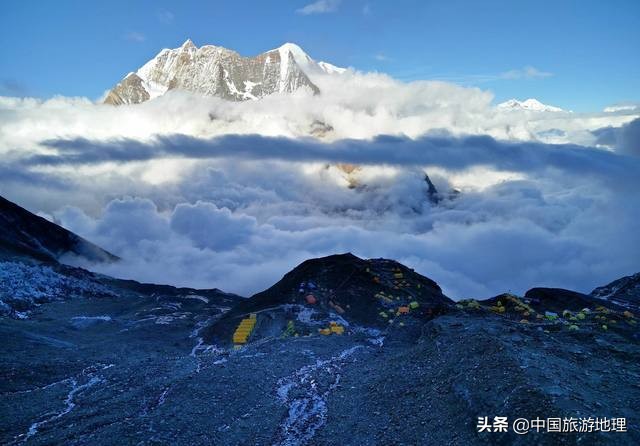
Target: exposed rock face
(217, 71)
(24, 233)
(432, 192)
(624, 291)
(558, 300)
(130, 91)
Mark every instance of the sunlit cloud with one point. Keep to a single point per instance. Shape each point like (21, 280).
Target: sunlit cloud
(198, 191)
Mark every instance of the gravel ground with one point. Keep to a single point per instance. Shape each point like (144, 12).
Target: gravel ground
(140, 364)
(119, 381)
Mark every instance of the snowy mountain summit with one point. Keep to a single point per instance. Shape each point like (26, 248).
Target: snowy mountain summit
(529, 104)
(217, 71)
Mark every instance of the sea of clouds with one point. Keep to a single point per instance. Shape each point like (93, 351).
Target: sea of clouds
(201, 192)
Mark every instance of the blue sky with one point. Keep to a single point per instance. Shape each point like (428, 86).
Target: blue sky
(580, 55)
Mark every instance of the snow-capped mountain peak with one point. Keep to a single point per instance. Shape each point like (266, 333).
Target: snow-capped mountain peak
(331, 69)
(188, 44)
(306, 62)
(298, 53)
(217, 71)
(529, 104)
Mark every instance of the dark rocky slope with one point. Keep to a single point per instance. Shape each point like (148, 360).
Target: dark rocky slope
(346, 288)
(24, 233)
(624, 292)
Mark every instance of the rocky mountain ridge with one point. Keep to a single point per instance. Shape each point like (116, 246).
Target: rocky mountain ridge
(624, 292)
(24, 232)
(217, 71)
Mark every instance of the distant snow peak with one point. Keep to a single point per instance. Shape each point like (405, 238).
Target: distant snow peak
(304, 61)
(331, 69)
(217, 71)
(188, 45)
(530, 104)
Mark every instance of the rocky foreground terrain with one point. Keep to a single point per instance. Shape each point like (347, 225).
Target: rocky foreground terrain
(342, 350)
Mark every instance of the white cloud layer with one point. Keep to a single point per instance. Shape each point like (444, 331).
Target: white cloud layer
(207, 193)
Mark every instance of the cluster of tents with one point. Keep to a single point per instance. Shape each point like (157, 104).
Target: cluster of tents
(401, 310)
(510, 305)
(333, 328)
(242, 333)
